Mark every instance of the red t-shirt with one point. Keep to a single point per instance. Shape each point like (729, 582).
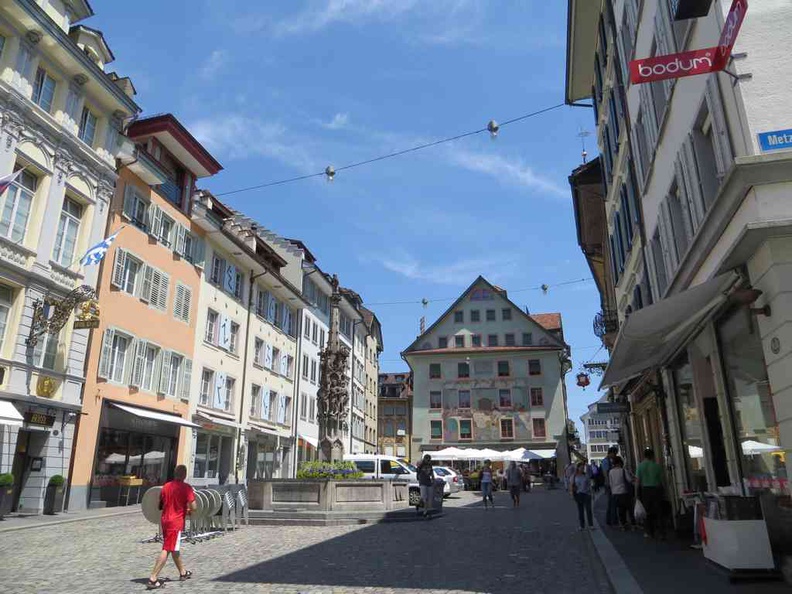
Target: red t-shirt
(175, 496)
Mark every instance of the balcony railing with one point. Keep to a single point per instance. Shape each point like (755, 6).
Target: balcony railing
(606, 322)
(172, 192)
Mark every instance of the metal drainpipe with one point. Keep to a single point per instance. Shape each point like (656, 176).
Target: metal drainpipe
(253, 277)
(297, 376)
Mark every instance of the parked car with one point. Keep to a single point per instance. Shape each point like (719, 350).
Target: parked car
(377, 466)
(451, 478)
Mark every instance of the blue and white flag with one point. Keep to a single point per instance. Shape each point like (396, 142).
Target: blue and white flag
(97, 252)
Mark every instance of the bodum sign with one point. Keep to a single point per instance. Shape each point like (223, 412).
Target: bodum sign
(711, 59)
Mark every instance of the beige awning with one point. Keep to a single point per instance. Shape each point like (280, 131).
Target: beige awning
(145, 413)
(650, 336)
(9, 415)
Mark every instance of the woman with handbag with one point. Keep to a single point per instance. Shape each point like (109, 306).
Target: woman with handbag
(621, 484)
(580, 487)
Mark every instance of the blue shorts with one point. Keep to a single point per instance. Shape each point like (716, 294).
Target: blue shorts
(486, 490)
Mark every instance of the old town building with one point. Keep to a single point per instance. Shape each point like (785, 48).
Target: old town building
(394, 436)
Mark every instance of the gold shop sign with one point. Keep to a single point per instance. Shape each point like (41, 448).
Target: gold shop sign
(87, 316)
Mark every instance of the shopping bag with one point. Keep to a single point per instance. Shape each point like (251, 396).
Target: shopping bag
(639, 512)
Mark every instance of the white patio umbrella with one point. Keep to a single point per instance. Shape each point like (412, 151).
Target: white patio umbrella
(752, 448)
(451, 453)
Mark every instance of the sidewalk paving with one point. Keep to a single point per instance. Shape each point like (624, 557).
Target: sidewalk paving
(671, 565)
(20, 522)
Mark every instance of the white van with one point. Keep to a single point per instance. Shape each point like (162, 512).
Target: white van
(376, 466)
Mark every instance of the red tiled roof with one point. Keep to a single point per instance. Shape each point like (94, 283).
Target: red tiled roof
(548, 321)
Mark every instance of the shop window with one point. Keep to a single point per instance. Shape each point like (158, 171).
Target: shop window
(436, 429)
(465, 429)
(507, 428)
(690, 418)
(435, 399)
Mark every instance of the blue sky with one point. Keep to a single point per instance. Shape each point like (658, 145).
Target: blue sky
(281, 89)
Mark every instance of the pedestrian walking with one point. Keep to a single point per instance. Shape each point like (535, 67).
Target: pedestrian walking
(177, 500)
(607, 464)
(486, 483)
(649, 475)
(581, 491)
(426, 483)
(526, 472)
(514, 480)
(621, 484)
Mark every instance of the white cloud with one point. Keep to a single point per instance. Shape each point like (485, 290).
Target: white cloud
(238, 136)
(505, 170)
(339, 121)
(460, 272)
(317, 17)
(216, 60)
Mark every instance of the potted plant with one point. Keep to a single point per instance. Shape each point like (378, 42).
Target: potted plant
(6, 493)
(53, 498)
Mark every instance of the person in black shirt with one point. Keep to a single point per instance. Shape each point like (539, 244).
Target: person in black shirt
(426, 483)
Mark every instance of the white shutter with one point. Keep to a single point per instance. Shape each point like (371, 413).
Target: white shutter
(272, 309)
(129, 360)
(688, 160)
(667, 239)
(178, 300)
(164, 372)
(284, 364)
(281, 409)
(181, 234)
(155, 220)
(220, 390)
(229, 279)
(225, 332)
(198, 251)
(107, 353)
(156, 286)
(146, 286)
(164, 288)
(268, 356)
(129, 201)
(720, 133)
(684, 197)
(140, 361)
(186, 303)
(184, 392)
(117, 279)
(265, 403)
(650, 123)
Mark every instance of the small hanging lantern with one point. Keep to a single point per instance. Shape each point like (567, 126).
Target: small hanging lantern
(583, 379)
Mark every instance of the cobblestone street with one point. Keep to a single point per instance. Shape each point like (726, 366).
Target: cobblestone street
(535, 548)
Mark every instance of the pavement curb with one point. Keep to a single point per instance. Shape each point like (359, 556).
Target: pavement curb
(620, 576)
(68, 521)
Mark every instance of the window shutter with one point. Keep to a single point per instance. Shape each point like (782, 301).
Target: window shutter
(107, 354)
(164, 372)
(117, 279)
(272, 309)
(649, 121)
(229, 278)
(155, 378)
(181, 234)
(688, 213)
(281, 409)
(667, 239)
(220, 390)
(183, 303)
(268, 356)
(129, 201)
(129, 360)
(284, 364)
(156, 287)
(663, 47)
(225, 332)
(155, 219)
(198, 252)
(146, 286)
(688, 161)
(265, 403)
(184, 393)
(140, 359)
(720, 133)
(163, 294)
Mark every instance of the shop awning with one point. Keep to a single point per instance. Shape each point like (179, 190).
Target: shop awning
(9, 415)
(311, 440)
(650, 336)
(217, 420)
(145, 413)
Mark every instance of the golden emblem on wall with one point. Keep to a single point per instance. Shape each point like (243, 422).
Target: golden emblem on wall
(45, 386)
(87, 315)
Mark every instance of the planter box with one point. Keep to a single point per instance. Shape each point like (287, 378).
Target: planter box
(326, 495)
(6, 500)
(53, 499)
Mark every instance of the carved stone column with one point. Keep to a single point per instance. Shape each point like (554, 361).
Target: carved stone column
(333, 393)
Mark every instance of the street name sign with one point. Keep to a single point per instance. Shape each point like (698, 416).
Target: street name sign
(608, 408)
(777, 140)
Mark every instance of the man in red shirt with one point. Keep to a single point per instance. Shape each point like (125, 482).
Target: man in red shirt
(177, 499)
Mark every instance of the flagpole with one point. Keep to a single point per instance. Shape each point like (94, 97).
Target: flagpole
(83, 256)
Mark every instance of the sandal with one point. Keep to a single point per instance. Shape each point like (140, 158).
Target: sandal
(185, 576)
(155, 584)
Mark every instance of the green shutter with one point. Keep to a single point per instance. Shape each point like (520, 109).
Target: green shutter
(107, 354)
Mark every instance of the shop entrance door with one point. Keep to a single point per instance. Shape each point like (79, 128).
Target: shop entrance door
(717, 445)
(20, 466)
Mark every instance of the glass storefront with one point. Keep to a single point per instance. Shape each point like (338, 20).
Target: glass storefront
(213, 457)
(690, 424)
(755, 425)
(263, 460)
(132, 446)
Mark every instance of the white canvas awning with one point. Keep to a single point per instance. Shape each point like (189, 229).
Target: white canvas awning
(311, 440)
(217, 420)
(145, 413)
(9, 415)
(650, 336)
